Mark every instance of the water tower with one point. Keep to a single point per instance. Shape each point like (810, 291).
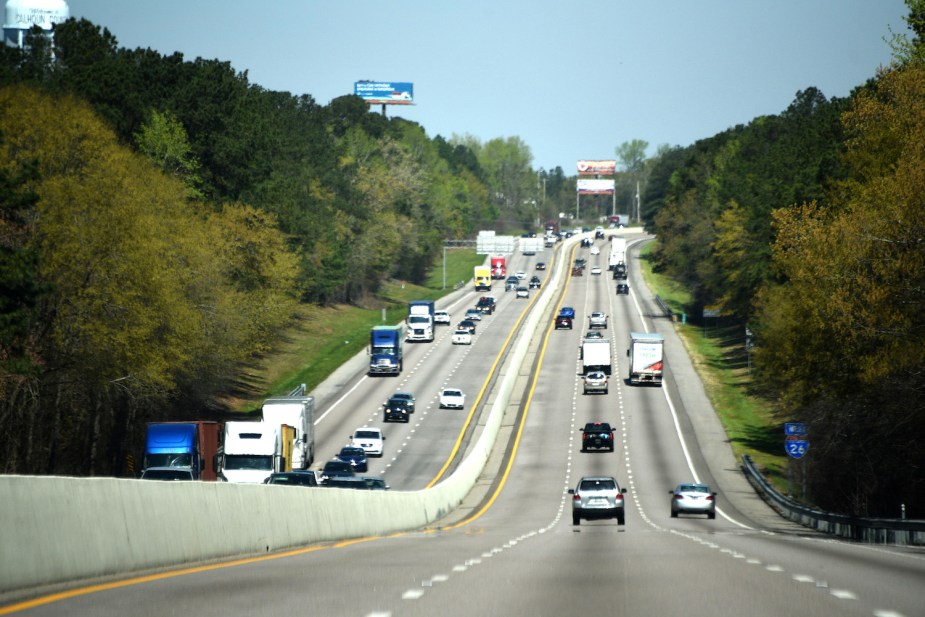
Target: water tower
(21, 15)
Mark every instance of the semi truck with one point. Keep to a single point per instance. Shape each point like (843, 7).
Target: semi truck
(498, 268)
(482, 276)
(420, 320)
(595, 356)
(385, 350)
(253, 451)
(295, 409)
(646, 359)
(182, 450)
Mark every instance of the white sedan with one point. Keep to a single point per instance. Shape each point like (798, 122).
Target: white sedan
(596, 270)
(452, 398)
(368, 438)
(595, 250)
(462, 337)
(521, 275)
(442, 317)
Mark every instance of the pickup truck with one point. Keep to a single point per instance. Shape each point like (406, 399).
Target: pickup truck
(597, 319)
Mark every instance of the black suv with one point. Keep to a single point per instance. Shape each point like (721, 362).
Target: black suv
(535, 282)
(396, 410)
(486, 305)
(597, 435)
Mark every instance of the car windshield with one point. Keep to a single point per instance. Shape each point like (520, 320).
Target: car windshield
(419, 319)
(168, 460)
(166, 474)
(337, 466)
(597, 485)
(352, 452)
(293, 479)
(366, 435)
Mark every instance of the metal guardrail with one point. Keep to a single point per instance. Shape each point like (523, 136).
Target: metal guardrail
(666, 310)
(869, 530)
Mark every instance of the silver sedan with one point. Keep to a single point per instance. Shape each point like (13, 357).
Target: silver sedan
(693, 499)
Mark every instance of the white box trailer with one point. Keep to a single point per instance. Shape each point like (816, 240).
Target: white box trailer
(595, 356)
(646, 359)
(297, 410)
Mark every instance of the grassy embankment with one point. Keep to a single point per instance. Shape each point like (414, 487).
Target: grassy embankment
(323, 338)
(719, 355)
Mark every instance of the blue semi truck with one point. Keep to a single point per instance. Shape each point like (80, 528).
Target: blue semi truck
(385, 350)
(182, 451)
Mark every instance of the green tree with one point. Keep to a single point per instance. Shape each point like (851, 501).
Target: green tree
(163, 140)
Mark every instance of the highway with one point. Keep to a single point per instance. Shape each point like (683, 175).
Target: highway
(512, 548)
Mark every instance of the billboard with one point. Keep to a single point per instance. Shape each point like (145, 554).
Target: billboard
(385, 92)
(587, 186)
(597, 168)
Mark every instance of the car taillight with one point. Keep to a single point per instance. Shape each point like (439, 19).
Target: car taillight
(619, 496)
(679, 496)
(709, 497)
(577, 497)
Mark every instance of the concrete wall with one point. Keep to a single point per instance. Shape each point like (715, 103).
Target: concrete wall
(57, 529)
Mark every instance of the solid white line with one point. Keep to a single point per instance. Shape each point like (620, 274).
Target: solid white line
(338, 401)
(677, 425)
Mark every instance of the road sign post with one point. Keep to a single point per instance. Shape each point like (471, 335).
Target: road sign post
(796, 445)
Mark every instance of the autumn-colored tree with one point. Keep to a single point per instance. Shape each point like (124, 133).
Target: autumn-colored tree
(146, 293)
(844, 336)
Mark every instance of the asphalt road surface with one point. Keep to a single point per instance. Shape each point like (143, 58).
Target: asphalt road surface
(512, 549)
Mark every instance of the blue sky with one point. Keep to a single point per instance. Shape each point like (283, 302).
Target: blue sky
(572, 80)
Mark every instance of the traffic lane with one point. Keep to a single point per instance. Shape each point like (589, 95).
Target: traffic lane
(423, 457)
(425, 368)
(607, 570)
(886, 580)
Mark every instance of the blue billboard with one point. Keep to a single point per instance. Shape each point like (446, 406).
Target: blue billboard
(385, 92)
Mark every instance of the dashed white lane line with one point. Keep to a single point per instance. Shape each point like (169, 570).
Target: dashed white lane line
(844, 594)
(412, 594)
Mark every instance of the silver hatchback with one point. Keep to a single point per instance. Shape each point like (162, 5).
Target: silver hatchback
(597, 497)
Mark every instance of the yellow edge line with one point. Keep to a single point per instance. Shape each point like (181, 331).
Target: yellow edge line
(83, 591)
(523, 419)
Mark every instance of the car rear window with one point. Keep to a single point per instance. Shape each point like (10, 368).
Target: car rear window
(597, 485)
(597, 428)
(366, 434)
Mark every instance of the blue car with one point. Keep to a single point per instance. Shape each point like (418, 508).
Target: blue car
(355, 456)
(567, 311)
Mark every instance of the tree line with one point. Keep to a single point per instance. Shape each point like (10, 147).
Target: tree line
(808, 228)
(161, 218)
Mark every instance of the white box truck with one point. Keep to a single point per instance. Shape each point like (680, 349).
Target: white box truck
(295, 409)
(646, 359)
(595, 356)
(617, 253)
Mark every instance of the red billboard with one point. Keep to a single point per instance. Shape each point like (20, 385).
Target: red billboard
(597, 168)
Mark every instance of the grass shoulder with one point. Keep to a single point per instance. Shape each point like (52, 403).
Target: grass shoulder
(320, 339)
